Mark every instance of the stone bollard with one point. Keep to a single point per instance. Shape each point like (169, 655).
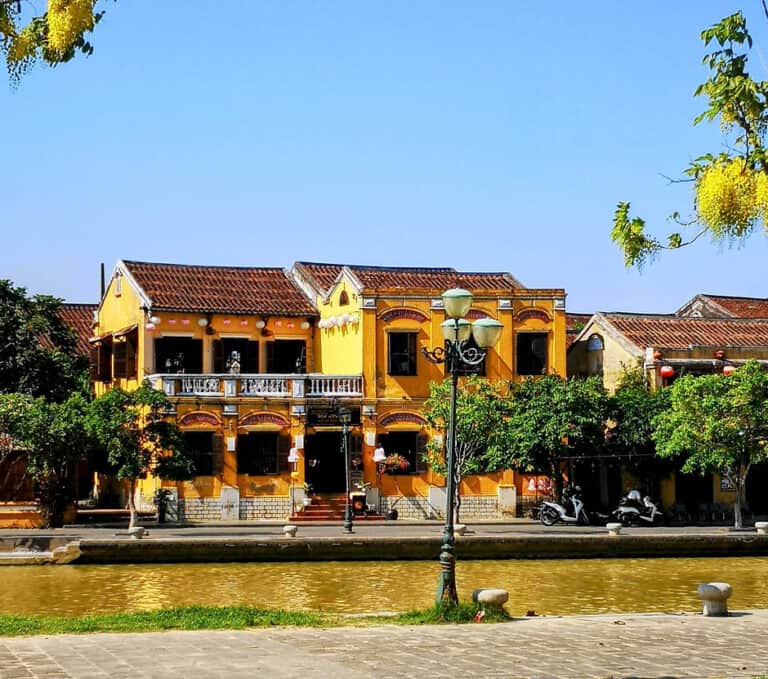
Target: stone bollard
(613, 528)
(715, 597)
(491, 597)
(289, 531)
(460, 528)
(137, 532)
(762, 527)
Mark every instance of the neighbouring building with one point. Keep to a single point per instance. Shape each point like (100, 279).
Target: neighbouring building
(257, 362)
(709, 334)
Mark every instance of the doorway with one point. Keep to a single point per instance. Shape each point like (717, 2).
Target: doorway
(324, 461)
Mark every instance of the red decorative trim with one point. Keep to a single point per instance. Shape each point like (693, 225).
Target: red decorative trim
(478, 313)
(264, 418)
(536, 314)
(199, 418)
(409, 314)
(402, 418)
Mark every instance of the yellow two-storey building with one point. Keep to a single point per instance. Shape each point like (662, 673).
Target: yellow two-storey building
(258, 361)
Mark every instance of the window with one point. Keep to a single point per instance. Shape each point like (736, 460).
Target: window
(178, 355)
(410, 444)
(125, 350)
(286, 356)
(200, 449)
(260, 453)
(532, 353)
(343, 298)
(247, 350)
(402, 353)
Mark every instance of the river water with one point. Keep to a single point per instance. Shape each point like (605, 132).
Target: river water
(550, 587)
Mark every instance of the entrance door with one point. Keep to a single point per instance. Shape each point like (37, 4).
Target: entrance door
(324, 461)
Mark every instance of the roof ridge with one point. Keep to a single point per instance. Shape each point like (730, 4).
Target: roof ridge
(706, 294)
(206, 266)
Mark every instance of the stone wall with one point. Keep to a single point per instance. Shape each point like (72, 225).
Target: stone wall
(267, 507)
(250, 509)
(475, 507)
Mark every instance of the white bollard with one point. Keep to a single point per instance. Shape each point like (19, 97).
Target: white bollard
(613, 528)
(137, 532)
(289, 531)
(460, 528)
(715, 597)
(491, 597)
(762, 527)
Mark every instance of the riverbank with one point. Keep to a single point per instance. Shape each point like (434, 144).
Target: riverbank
(575, 647)
(402, 541)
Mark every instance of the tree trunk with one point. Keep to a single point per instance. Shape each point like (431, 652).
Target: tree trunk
(457, 504)
(132, 523)
(741, 483)
(53, 501)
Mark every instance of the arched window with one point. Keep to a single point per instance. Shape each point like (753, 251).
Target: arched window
(343, 298)
(595, 348)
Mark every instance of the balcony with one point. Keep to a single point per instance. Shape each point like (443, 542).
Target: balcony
(259, 386)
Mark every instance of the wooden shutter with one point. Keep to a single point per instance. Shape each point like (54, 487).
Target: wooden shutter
(218, 357)
(105, 361)
(217, 461)
(131, 347)
(93, 364)
(251, 362)
(283, 448)
(421, 449)
(270, 357)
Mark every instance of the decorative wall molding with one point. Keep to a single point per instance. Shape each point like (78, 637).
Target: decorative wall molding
(199, 418)
(532, 314)
(404, 313)
(254, 419)
(401, 418)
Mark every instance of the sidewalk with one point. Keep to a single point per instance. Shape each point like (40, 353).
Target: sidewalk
(573, 647)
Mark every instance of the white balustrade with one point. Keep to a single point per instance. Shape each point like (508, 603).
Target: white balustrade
(260, 385)
(202, 385)
(335, 385)
(263, 385)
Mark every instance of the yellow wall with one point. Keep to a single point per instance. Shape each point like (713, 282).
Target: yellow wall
(341, 347)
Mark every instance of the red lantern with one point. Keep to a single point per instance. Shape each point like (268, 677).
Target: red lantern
(728, 370)
(666, 371)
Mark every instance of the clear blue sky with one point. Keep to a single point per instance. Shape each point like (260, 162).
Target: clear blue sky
(476, 134)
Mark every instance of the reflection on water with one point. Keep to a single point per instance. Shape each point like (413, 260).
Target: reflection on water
(557, 587)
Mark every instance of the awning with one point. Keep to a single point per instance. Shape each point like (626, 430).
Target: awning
(124, 331)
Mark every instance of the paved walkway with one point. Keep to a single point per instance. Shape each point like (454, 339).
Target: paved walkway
(574, 647)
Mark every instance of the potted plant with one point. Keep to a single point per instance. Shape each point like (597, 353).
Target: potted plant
(307, 494)
(394, 463)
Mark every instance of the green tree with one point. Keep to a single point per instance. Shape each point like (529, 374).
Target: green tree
(138, 438)
(37, 349)
(730, 187)
(481, 412)
(718, 423)
(631, 411)
(53, 37)
(554, 419)
(53, 439)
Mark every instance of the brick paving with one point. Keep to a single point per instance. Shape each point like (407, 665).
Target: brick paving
(574, 647)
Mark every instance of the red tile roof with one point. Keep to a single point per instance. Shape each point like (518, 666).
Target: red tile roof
(574, 323)
(79, 317)
(410, 278)
(742, 307)
(673, 332)
(220, 289)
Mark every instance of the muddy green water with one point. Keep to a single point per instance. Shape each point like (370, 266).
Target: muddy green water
(560, 587)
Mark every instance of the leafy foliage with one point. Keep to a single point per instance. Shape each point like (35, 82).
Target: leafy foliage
(730, 188)
(37, 349)
(482, 410)
(53, 438)
(718, 424)
(553, 418)
(138, 438)
(54, 37)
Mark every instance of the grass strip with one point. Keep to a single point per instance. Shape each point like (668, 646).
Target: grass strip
(229, 617)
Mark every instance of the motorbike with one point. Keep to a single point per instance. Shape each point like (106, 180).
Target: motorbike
(570, 511)
(636, 510)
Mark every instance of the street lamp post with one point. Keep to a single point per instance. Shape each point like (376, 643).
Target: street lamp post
(455, 354)
(345, 417)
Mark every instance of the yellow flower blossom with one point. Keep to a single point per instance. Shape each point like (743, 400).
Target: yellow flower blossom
(727, 198)
(67, 20)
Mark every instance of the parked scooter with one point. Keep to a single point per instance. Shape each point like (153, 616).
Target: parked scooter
(638, 511)
(570, 511)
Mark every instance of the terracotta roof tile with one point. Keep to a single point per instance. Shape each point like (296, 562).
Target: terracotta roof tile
(673, 332)
(220, 289)
(574, 323)
(79, 317)
(411, 278)
(742, 307)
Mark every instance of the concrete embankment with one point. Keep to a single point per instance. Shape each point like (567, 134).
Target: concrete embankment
(164, 550)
